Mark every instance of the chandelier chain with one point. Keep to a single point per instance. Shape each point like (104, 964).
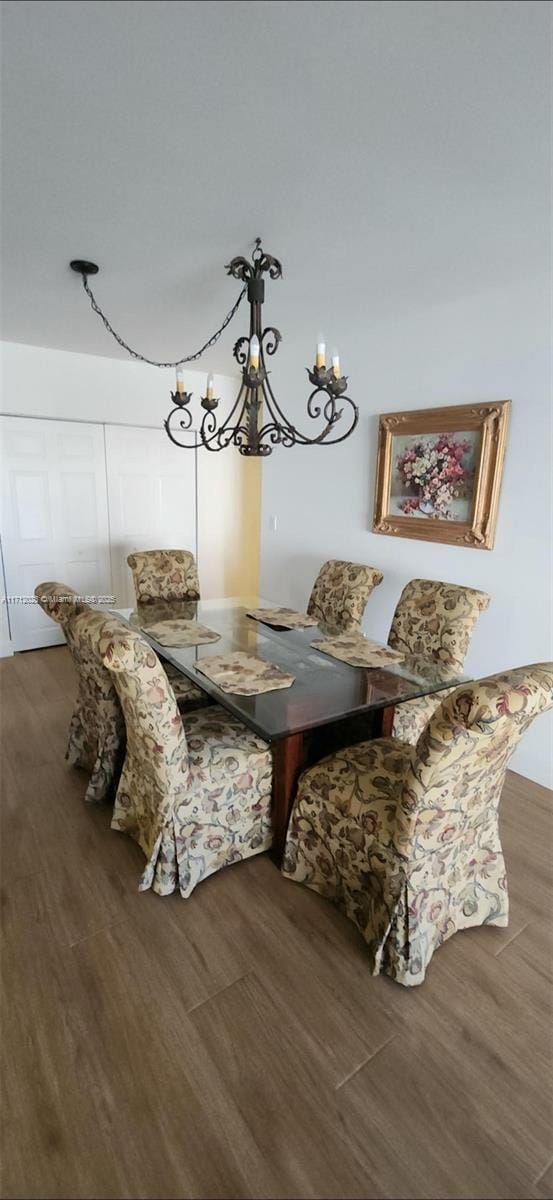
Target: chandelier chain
(150, 361)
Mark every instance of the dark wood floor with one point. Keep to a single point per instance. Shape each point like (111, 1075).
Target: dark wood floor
(234, 1044)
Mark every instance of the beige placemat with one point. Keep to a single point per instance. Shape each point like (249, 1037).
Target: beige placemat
(287, 617)
(181, 633)
(358, 651)
(243, 674)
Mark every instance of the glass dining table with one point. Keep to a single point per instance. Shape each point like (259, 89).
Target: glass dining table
(329, 705)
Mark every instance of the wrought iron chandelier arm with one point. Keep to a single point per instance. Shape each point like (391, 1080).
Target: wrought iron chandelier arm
(222, 436)
(297, 436)
(277, 434)
(151, 361)
(331, 416)
(280, 430)
(335, 416)
(207, 436)
(314, 411)
(184, 425)
(274, 410)
(209, 432)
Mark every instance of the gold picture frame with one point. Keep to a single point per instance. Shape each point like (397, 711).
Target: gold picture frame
(413, 446)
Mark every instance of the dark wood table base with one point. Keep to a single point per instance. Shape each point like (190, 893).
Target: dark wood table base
(293, 754)
(289, 760)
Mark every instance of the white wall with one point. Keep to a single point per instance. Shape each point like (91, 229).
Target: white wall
(491, 346)
(57, 383)
(54, 383)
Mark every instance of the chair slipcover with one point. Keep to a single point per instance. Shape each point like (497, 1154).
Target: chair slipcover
(144, 616)
(405, 839)
(187, 695)
(59, 601)
(196, 794)
(164, 575)
(154, 611)
(340, 593)
(433, 621)
(96, 741)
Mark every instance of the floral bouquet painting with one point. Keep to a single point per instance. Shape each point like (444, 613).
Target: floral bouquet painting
(434, 475)
(438, 473)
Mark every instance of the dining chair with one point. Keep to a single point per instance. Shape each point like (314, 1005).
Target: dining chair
(59, 601)
(195, 791)
(404, 839)
(164, 575)
(96, 741)
(433, 621)
(340, 593)
(152, 613)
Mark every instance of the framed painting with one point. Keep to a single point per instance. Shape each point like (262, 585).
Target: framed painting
(438, 473)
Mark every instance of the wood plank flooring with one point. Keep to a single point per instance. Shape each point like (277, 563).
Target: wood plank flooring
(234, 1044)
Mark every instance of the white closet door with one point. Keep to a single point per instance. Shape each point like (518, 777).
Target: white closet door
(54, 518)
(152, 499)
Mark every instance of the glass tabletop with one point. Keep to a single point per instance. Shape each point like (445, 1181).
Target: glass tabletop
(325, 690)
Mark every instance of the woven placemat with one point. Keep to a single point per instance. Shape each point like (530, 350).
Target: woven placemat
(180, 633)
(243, 674)
(283, 618)
(357, 651)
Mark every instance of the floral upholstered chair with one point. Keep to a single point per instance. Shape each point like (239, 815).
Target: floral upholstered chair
(405, 839)
(164, 575)
(340, 593)
(187, 694)
(194, 793)
(155, 611)
(96, 740)
(59, 601)
(433, 621)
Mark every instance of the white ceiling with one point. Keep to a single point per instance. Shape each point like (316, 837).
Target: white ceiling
(392, 155)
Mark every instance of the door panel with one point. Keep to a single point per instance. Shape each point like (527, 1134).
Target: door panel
(152, 499)
(20, 443)
(31, 505)
(80, 505)
(136, 509)
(55, 520)
(76, 445)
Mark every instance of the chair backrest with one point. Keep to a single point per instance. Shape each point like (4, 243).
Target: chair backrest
(164, 575)
(62, 603)
(163, 610)
(59, 601)
(340, 593)
(155, 736)
(453, 785)
(435, 620)
(98, 699)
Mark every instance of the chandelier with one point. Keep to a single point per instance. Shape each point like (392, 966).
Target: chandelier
(256, 422)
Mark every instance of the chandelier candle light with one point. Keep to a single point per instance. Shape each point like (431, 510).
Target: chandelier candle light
(256, 422)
